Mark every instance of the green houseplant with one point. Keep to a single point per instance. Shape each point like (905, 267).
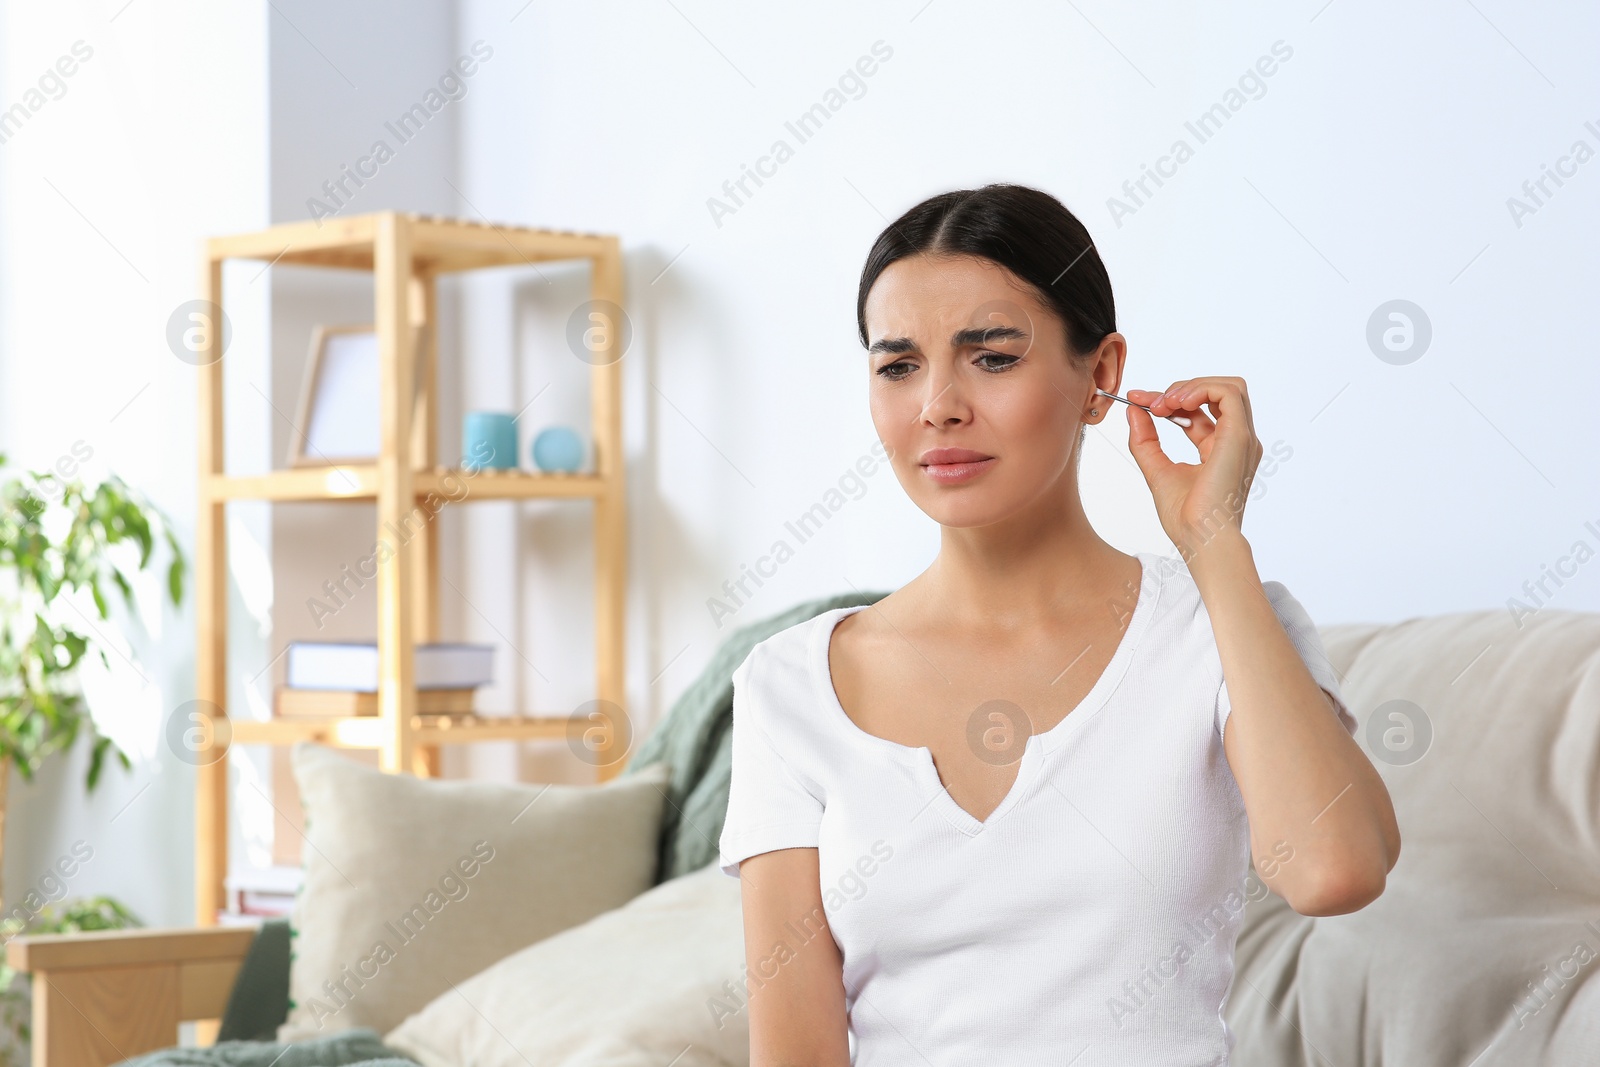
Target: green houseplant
(59, 537)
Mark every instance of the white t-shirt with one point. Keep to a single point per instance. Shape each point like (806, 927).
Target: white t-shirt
(1089, 920)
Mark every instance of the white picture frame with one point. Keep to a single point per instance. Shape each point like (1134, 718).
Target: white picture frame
(337, 419)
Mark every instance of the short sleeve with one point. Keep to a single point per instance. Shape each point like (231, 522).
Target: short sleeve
(1308, 642)
(770, 805)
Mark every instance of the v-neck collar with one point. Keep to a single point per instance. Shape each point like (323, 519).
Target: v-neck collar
(920, 757)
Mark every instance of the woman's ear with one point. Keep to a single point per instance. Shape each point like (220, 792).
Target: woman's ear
(1097, 408)
(1106, 373)
(1110, 358)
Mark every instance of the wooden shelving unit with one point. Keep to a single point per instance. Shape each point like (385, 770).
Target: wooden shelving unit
(405, 254)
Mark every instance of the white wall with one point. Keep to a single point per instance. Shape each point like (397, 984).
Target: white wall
(158, 140)
(1376, 165)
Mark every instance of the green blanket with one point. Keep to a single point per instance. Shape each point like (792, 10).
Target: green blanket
(336, 1050)
(694, 740)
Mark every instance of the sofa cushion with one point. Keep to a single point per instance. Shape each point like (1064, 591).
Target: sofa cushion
(412, 885)
(659, 981)
(1487, 935)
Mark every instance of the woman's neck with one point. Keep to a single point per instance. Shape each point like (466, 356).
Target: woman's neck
(1039, 565)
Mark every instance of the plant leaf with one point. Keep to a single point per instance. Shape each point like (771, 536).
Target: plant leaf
(124, 586)
(97, 760)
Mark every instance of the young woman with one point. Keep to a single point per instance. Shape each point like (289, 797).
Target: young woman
(1007, 814)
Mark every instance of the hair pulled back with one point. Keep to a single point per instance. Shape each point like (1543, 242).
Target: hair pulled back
(1025, 230)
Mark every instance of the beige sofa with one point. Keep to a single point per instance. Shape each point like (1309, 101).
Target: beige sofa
(1479, 952)
(1483, 946)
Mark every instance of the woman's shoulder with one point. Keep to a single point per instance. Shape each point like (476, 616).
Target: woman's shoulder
(1180, 617)
(784, 649)
(1178, 586)
(780, 694)
(777, 676)
(853, 633)
(797, 644)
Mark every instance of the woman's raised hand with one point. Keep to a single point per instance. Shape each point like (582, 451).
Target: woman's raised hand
(1198, 502)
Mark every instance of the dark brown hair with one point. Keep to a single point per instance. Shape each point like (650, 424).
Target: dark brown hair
(1028, 232)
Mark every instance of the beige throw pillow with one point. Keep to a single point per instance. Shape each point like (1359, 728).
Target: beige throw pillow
(659, 981)
(412, 885)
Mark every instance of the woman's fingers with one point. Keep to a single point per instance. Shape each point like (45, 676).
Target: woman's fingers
(1229, 401)
(1221, 396)
(1200, 427)
(1146, 446)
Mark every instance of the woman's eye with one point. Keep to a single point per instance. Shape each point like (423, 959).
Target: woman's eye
(895, 371)
(1008, 360)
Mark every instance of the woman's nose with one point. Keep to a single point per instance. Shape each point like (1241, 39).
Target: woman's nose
(945, 403)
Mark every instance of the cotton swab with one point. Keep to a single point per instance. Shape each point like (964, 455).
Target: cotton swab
(1179, 419)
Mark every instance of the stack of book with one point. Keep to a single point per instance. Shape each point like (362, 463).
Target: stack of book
(265, 892)
(335, 678)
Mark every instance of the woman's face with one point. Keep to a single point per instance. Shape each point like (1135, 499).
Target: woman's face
(972, 389)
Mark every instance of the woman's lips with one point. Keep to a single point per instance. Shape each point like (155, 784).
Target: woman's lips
(950, 466)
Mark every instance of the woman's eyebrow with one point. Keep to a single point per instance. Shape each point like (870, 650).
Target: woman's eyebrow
(892, 345)
(975, 335)
(987, 335)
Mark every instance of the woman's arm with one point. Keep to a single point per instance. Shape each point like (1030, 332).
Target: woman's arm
(795, 976)
(1306, 784)
(1322, 827)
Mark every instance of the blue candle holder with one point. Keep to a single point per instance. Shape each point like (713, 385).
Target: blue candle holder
(558, 450)
(488, 441)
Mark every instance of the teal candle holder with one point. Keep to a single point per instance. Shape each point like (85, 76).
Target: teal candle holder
(558, 450)
(488, 441)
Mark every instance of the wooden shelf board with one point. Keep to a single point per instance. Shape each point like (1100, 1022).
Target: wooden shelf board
(438, 245)
(366, 731)
(452, 245)
(294, 241)
(446, 730)
(361, 483)
(353, 731)
(508, 485)
(306, 483)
